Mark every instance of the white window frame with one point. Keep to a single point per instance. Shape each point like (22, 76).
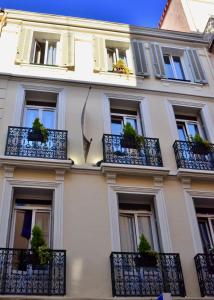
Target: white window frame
(154, 234)
(127, 116)
(21, 102)
(57, 212)
(204, 113)
(159, 206)
(47, 41)
(186, 122)
(170, 56)
(180, 52)
(126, 49)
(34, 209)
(40, 112)
(144, 112)
(209, 219)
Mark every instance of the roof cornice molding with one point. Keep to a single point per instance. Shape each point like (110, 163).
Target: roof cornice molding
(98, 26)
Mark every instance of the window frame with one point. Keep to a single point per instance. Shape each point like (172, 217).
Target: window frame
(172, 64)
(47, 42)
(154, 231)
(209, 218)
(40, 111)
(34, 209)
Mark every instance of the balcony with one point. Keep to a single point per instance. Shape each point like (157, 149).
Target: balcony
(20, 274)
(115, 152)
(189, 157)
(131, 279)
(19, 144)
(205, 268)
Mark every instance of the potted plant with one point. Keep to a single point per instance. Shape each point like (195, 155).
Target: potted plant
(38, 133)
(147, 257)
(199, 145)
(41, 254)
(130, 138)
(121, 67)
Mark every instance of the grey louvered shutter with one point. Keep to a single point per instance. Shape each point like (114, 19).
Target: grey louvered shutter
(157, 59)
(24, 45)
(196, 66)
(140, 58)
(67, 43)
(99, 54)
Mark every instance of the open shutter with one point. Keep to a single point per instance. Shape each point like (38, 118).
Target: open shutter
(24, 45)
(140, 58)
(67, 50)
(99, 54)
(196, 66)
(157, 59)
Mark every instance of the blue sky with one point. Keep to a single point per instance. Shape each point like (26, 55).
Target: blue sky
(134, 12)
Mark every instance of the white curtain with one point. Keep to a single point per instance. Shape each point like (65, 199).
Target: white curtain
(127, 233)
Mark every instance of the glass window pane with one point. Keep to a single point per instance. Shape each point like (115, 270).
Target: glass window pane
(133, 122)
(168, 67)
(51, 55)
(21, 242)
(193, 129)
(122, 55)
(182, 132)
(43, 220)
(116, 126)
(178, 68)
(31, 115)
(144, 226)
(205, 234)
(110, 60)
(48, 118)
(127, 233)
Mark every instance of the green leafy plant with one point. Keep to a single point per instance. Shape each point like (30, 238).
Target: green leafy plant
(200, 146)
(121, 67)
(130, 138)
(39, 245)
(38, 126)
(145, 248)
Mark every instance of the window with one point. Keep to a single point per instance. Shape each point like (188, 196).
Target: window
(136, 217)
(205, 215)
(116, 51)
(188, 126)
(173, 67)
(182, 64)
(40, 105)
(44, 52)
(27, 212)
(115, 54)
(123, 113)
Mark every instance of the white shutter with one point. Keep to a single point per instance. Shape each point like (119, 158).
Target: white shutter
(67, 50)
(157, 59)
(196, 66)
(99, 54)
(24, 46)
(140, 58)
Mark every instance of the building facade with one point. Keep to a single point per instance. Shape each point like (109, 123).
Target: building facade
(93, 192)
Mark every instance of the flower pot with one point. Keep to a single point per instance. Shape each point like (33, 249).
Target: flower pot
(199, 148)
(146, 260)
(129, 142)
(35, 136)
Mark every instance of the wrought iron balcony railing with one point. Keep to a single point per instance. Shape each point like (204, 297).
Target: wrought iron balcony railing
(205, 269)
(189, 155)
(22, 274)
(116, 151)
(131, 277)
(21, 143)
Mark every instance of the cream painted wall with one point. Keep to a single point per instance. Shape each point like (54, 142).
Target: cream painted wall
(197, 13)
(85, 199)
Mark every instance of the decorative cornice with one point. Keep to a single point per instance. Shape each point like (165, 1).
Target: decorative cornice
(198, 174)
(134, 170)
(34, 163)
(102, 26)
